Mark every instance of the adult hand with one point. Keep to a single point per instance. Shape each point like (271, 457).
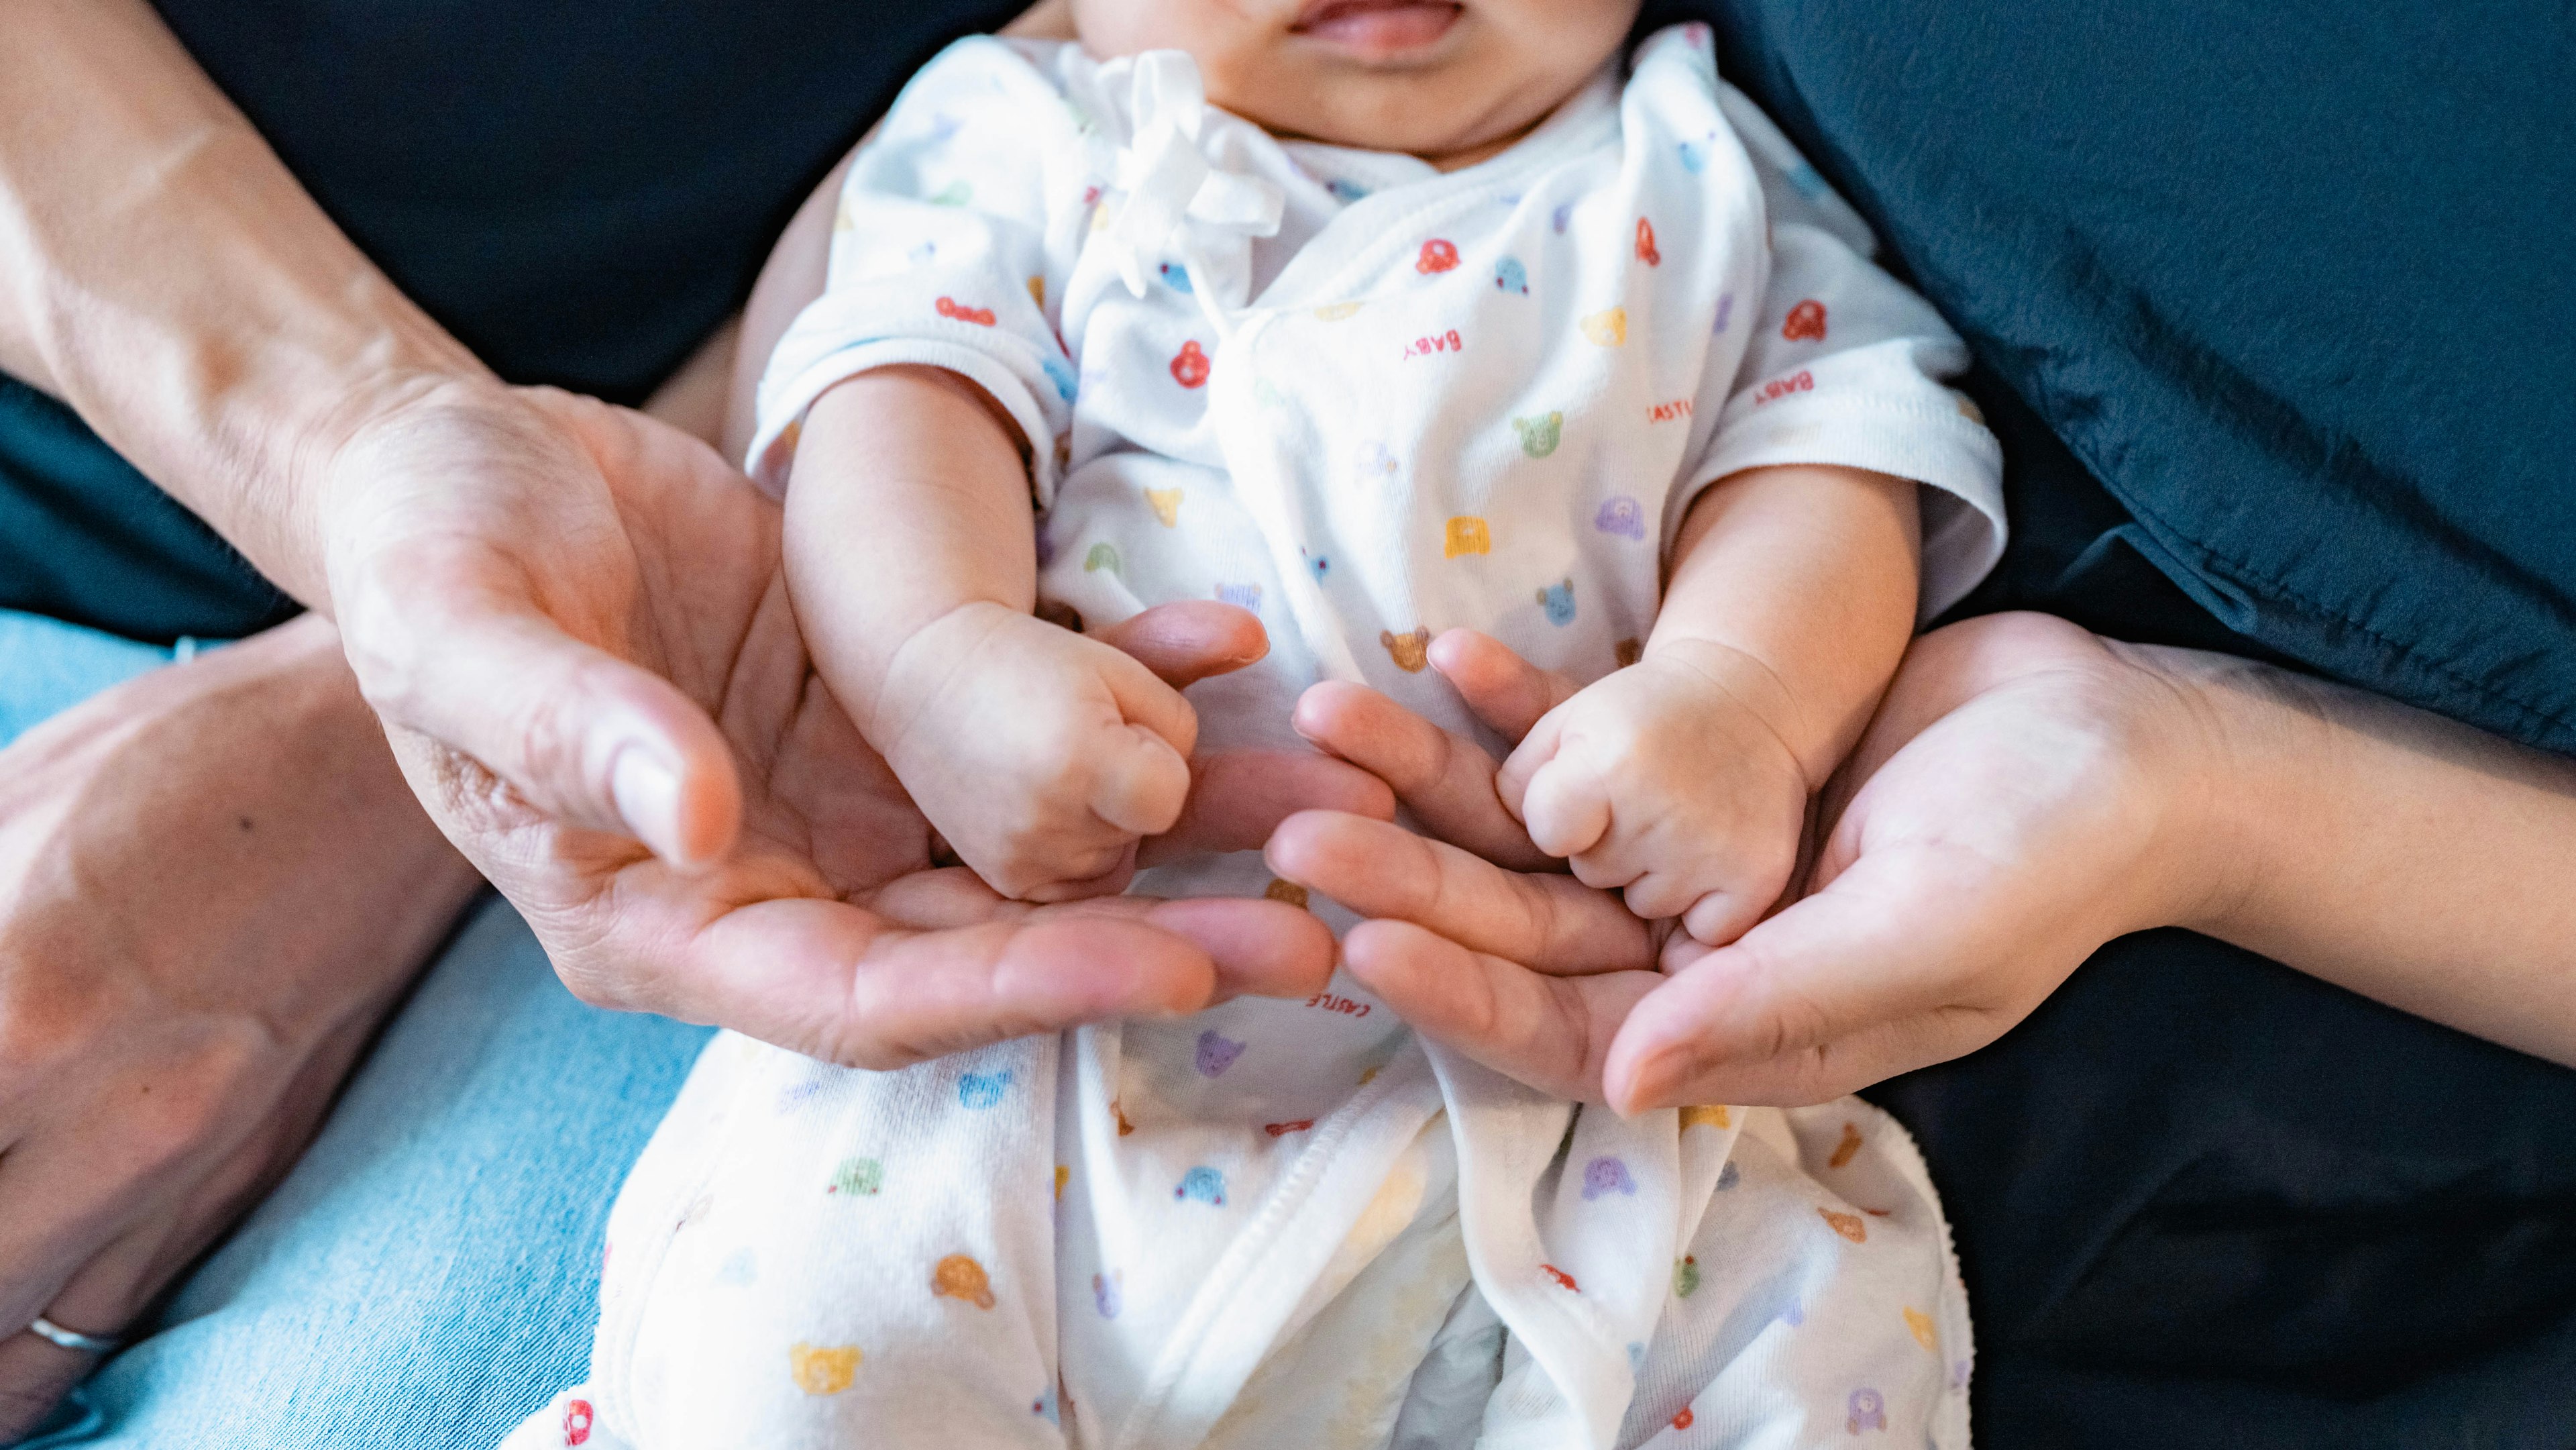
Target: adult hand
(573, 619)
(213, 884)
(2026, 792)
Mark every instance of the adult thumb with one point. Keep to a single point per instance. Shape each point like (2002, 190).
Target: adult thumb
(579, 735)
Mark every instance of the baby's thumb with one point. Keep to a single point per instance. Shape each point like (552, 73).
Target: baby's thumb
(1141, 783)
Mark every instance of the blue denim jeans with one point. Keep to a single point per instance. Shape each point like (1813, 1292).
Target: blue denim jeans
(427, 1275)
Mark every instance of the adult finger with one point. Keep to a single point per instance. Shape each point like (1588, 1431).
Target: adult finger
(1551, 1032)
(1187, 642)
(854, 986)
(1551, 923)
(1886, 969)
(1505, 691)
(1444, 778)
(1238, 797)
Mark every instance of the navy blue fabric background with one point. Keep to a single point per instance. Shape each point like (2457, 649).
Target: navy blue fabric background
(2294, 281)
(2274, 304)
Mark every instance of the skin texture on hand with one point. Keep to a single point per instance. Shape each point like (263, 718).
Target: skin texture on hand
(1042, 756)
(789, 892)
(2024, 795)
(1670, 783)
(188, 965)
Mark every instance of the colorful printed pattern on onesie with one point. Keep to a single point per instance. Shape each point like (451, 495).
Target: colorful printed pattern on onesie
(1484, 398)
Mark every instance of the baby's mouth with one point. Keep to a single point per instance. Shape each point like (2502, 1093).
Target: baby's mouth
(1377, 29)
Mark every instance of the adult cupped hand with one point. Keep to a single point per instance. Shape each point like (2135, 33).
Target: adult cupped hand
(573, 621)
(2023, 795)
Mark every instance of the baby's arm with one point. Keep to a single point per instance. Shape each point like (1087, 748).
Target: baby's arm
(1685, 779)
(1041, 756)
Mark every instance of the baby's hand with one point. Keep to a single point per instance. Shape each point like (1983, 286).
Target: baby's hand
(1672, 780)
(1040, 755)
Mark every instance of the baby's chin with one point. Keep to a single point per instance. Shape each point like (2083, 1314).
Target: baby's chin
(1390, 113)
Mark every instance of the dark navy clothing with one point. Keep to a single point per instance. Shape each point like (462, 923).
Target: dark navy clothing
(2273, 312)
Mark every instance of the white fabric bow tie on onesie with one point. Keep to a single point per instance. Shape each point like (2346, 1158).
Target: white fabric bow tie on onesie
(1174, 195)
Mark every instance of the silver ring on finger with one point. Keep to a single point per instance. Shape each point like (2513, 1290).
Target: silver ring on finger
(72, 1339)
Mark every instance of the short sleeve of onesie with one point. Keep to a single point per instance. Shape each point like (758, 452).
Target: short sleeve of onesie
(1844, 367)
(956, 228)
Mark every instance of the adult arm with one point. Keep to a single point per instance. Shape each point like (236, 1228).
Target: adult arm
(2027, 792)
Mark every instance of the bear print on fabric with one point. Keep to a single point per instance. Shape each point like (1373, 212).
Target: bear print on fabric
(1607, 328)
(1558, 600)
(1409, 651)
(857, 1177)
(1622, 515)
(1685, 1276)
(1241, 596)
(1190, 366)
(1438, 255)
(822, 1369)
(1204, 1184)
(1646, 252)
(1217, 1052)
(1511, 276)
(1467, 534)
(1539, 436)
(1806, 322)
(1868, 1412)
(576, 1422)
(1166, 504)
(958, 1276)
(1102, 556)
(980, 1090)
(1607, 1175)
(1105, 1295)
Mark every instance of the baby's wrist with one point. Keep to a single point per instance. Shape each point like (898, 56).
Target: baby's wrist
(920, 667)
(1736, 678)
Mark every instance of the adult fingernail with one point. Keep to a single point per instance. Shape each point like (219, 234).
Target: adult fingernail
(647, 792)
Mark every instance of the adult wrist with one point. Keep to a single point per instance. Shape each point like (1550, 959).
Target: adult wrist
(2238, 758)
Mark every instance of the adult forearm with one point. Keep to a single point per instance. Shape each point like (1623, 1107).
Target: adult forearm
(162, 273)
(2394, 852)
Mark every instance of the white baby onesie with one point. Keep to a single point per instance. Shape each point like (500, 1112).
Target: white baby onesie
(1368, 401)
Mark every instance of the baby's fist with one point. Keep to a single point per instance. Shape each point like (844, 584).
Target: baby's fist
(1040, 755)
(1669, 781)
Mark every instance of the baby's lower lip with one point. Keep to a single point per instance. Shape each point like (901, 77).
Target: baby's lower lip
(1379, 28)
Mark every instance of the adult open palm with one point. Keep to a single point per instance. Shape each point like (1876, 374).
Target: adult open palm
(572, 618)
(2014, 805)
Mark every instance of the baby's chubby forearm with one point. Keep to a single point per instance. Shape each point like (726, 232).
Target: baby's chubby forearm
(1684, 779)
(911, 555)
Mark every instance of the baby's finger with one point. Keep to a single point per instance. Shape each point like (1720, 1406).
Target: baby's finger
(1718, 917)
(1104, 873)
(1444, 778)
(1146, 702)
(1508, 693)
(1538, 748)
(1139, 785)
(1568, 814)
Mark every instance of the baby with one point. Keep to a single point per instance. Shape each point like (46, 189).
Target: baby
(1376, 319)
